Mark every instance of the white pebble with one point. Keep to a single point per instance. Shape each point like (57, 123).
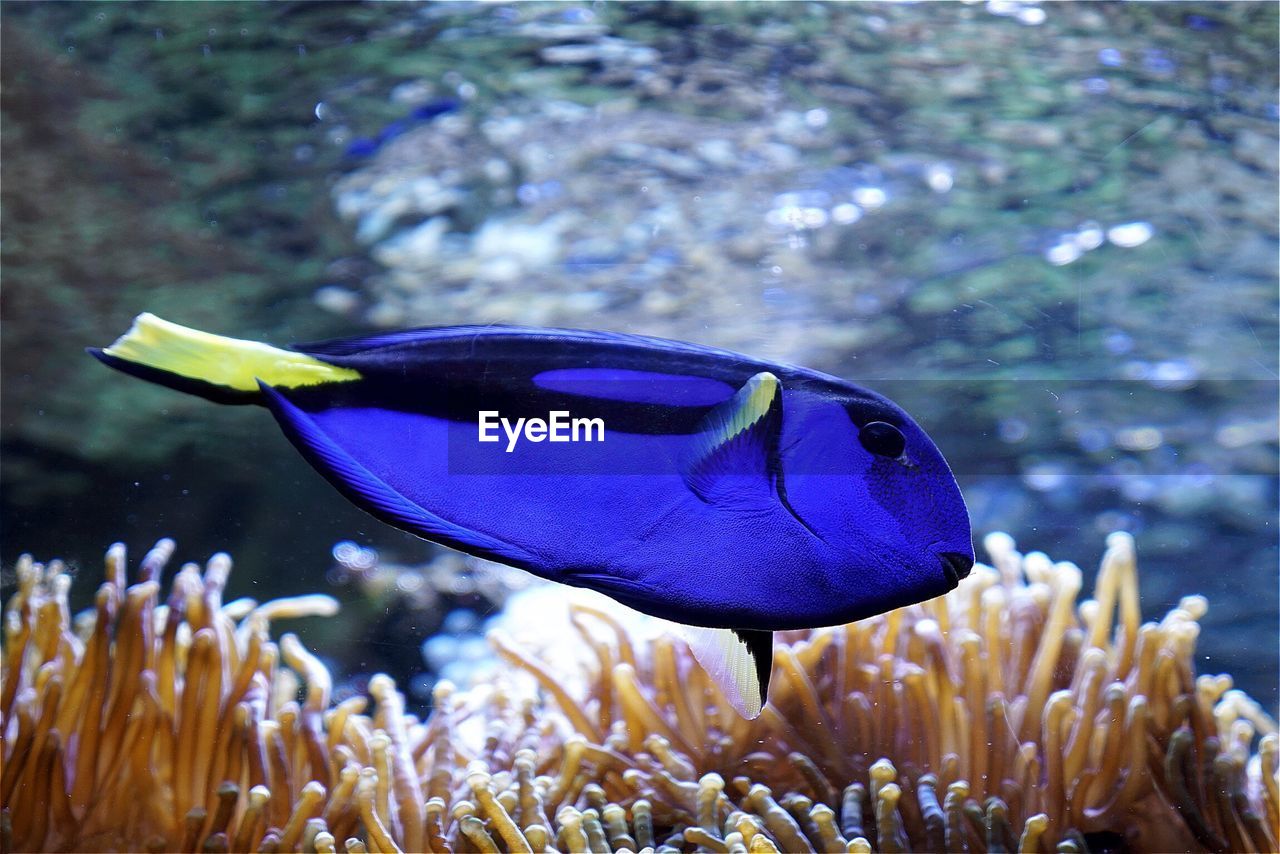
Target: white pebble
(1130, 234)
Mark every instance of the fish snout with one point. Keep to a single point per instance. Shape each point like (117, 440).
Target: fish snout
(956, 565)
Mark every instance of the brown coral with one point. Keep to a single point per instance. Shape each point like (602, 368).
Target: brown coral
(1003, 715)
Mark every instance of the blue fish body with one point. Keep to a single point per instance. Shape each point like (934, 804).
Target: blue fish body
(723, 491)
(368, 146)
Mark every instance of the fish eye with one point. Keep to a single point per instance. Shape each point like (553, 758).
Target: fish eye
(882, 439)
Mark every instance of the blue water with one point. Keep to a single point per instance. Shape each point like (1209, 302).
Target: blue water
(1048, 230)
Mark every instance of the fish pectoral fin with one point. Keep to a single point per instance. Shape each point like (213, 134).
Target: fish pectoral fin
(738, 660)
(734, 453)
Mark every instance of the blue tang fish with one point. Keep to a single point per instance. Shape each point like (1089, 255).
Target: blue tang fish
(735, 496)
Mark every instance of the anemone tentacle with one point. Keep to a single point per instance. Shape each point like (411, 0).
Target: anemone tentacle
(1006, 715)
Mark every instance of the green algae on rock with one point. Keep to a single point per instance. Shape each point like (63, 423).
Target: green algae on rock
(1004, 715)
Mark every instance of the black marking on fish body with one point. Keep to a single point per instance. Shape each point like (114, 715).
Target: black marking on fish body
(453, 372)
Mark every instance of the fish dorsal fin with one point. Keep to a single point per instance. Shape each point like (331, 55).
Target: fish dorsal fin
(739, 660)
(737, 439)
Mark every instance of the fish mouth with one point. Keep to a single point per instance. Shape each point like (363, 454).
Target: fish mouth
(956, 565)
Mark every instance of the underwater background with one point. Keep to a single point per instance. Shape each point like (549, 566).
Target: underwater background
(1049, 231)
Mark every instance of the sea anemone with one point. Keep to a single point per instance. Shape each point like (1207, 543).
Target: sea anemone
(1005, 715)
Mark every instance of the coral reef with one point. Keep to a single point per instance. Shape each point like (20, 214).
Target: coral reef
(1004, 715)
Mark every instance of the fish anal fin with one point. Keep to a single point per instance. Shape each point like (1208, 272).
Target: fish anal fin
(374, 495)
(734, 452)
(739, 661)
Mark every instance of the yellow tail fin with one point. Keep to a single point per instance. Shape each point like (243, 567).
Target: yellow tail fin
(187, 359)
